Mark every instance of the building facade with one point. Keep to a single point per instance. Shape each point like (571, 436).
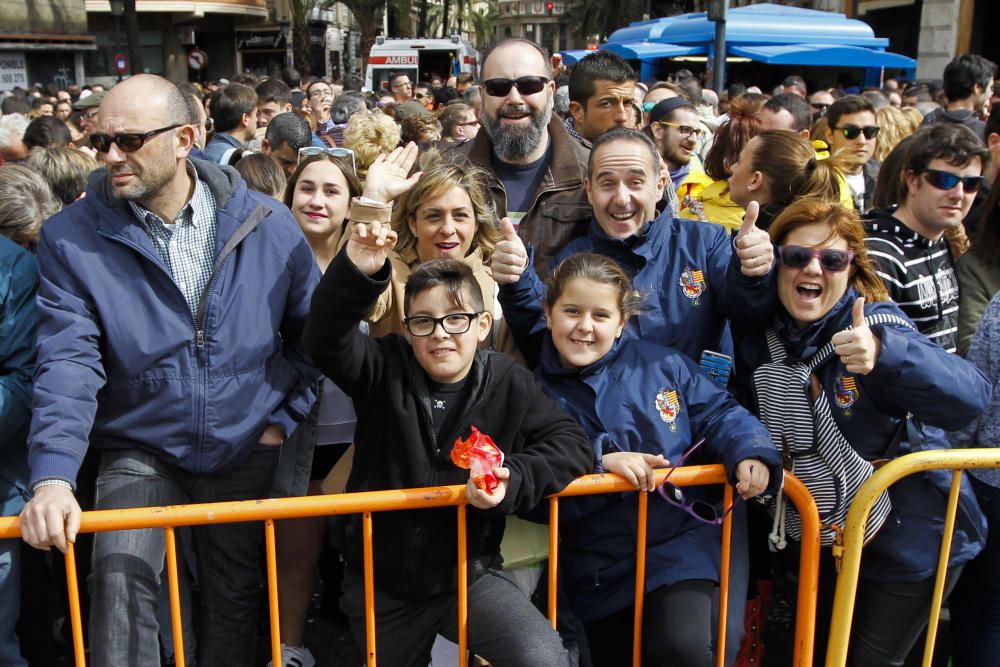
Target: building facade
(43, 41)
(544, 22)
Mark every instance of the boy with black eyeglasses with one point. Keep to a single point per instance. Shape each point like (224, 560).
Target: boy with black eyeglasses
(940, 175)
(415, 395)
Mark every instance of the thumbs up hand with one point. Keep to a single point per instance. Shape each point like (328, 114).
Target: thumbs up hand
(753, 245)
(858, 347)
(509, 256)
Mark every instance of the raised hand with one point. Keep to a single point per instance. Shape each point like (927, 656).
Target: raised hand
(858, 347)
(753, 245)
(752, 477)
(370, 245)
(636, 467)
(510, 259)
(388, 176)
(484, 501)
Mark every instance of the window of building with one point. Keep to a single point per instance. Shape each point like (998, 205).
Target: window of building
(102, 61)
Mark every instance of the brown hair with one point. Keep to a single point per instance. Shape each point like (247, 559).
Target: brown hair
(597, 268)
(262, 174)
(344, 164)
(370, 135)
(844, 223)
(742, 126)
(895, 126)
(789, 162)
(419, 128)
(439, 177)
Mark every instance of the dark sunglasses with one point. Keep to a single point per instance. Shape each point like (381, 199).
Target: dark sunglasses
(832, 260)
(699, 509)
(943, 180)
(852, 131)
(129, 142)
(526, 85)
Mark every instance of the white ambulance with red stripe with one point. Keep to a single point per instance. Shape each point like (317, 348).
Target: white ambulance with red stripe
(421, 59)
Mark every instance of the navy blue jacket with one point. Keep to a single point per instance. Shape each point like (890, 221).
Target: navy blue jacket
(122, 359)
(686, 270)
(18, 326)
(618, 400)
(913, 375)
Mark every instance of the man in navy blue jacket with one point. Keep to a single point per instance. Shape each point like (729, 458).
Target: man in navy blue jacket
(171, 306)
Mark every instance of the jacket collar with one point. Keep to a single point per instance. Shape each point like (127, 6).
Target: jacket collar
(551, 367)
(802, 344)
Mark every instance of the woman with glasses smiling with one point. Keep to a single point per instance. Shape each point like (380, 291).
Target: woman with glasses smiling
(859, 375)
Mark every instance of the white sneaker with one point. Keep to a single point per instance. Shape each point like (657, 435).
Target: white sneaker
(295, 656)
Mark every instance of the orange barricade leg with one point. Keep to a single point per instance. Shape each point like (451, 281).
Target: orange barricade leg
(553, 557)
(463, 590)
(640, 578)
(366, 524)
(272, 591)
(74, 606)
(175, 596)
(727, 541)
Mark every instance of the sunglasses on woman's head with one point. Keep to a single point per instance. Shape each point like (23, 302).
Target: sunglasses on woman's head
(830, 259)
(526, 85)
(945, 180)
(699, 509)
(336, 151)
(851, 132)
(128, 142)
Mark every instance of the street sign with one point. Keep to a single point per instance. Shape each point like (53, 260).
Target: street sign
(197, 59)
(13, 71)
(121, 63)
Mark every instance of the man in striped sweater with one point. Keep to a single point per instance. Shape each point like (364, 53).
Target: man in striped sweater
(938, 182)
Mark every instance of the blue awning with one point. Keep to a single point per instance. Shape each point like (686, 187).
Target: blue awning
(822, 55)
(652, 50)
(572, 57)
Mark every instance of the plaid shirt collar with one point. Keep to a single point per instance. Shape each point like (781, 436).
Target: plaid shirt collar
(571, 128)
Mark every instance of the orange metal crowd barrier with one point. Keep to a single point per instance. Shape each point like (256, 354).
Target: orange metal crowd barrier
(854, 538)
(368, 503)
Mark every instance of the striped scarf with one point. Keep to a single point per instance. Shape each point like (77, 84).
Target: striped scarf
(811, 443)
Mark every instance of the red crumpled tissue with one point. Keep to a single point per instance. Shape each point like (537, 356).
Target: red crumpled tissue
(479, 454)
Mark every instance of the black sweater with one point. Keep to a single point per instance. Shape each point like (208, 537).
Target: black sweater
(396, 447)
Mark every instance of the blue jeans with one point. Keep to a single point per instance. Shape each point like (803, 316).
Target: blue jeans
(125, 576)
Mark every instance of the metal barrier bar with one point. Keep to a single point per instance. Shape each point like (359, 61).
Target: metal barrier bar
(463, 589)
(727, 544)
(367, 503)
(272, 591)
(942, 572)
(857, 518)
(175, 596)
(640, 579)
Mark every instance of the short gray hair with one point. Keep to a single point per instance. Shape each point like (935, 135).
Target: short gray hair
(26, 201)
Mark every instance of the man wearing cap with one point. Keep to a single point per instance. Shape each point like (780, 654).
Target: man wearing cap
(675, 126)
(88, 106)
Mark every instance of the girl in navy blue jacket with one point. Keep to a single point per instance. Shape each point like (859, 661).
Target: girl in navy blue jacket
(642, 404)
(882, 379)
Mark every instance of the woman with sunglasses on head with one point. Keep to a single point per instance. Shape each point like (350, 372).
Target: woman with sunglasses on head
(643, 406)
(318, 193)
(876, 386)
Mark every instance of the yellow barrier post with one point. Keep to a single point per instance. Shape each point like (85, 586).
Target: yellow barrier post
(175, 596)
(463, 590)
(857, 519)
(273, 607)
(942, 572)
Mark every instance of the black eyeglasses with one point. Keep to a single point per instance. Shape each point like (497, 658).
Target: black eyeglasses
(128, 142)
(455, 323)
(945, 180)
(526, 85)
(831, 259)
(699, 509)
(209, 124)
(851, 132)
(819, 107)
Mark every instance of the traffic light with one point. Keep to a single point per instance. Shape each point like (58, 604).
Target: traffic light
(549, 6)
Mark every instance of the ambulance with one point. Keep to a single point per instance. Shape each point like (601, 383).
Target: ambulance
(421, 59)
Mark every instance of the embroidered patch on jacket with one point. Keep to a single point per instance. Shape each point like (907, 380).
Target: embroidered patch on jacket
(693, 284)
(668, 405)
(846, 391)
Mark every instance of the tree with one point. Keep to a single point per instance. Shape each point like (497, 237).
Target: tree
(479, 25)
(301, 9)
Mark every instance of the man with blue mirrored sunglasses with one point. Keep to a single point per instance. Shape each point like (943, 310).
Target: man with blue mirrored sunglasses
(940, 176)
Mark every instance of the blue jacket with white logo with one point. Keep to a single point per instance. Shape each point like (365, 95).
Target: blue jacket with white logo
(687, 272)
(913, 376)
(642, 397)
(123, 362)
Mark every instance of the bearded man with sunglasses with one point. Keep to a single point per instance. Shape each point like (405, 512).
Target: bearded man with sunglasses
(939, 179)
(539, 168)
(853, 136)
(171, 306)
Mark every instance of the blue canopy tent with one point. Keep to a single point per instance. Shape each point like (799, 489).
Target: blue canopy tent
(766, 33)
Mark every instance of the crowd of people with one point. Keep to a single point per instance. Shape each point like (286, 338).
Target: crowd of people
(288, 287)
